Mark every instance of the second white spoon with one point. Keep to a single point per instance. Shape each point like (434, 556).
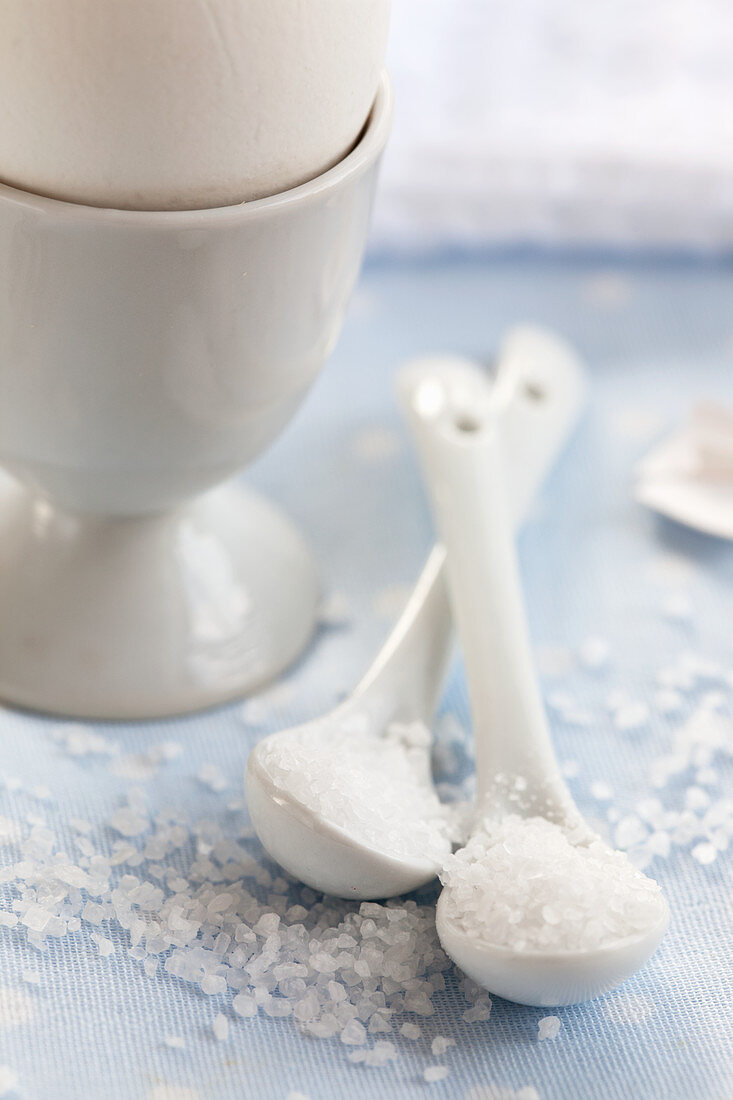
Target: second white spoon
(536, 907)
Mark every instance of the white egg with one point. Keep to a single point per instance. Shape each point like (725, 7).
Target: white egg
(182, 104)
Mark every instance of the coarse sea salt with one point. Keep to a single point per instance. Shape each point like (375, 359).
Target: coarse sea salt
(594, 653)
(202, 907)
(522, 883)
(145, 765)
(175, 1042)
(213, 777)
(548, 1027)
(78, 740)
(631, 716)
(376, 787)
(435, 1073)
(220, 1027)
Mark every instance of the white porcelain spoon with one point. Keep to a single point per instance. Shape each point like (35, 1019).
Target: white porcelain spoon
(542, 388)
(522, 911)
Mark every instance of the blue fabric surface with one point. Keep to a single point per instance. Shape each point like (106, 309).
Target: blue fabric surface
(655, 337)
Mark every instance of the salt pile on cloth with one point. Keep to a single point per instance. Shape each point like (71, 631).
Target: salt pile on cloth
(376, 787)
(189, 903)
(521, 883)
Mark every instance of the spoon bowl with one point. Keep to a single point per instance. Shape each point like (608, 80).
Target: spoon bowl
(402, 684)
(543, 978)
(320, 853)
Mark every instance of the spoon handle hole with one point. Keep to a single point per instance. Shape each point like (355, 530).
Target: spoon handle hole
(467, 424)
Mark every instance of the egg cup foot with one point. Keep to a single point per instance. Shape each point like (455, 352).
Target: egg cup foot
(150, 616)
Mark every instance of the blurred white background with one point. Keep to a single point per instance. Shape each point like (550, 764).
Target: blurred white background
(560, 121)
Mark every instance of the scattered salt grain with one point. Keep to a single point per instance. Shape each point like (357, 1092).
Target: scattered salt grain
(705, 853)
(601, 791)
(35, 917)
(411, 1031)
(105, 947)
(381, 1053)
(93, 913)
(560, 701)
(150, 966)
(16, 1007)
(435, 1073)
(713, 700)
(593, 654)
(212, 985)
(478, 1013)
(220, 1027)
(9, 832)
(678, 607)
(440, 1044)
(212, 777)
(145, 765)
(175, 1042)
(128, 822)
(548, 1027)
(277, 1007)
(569, 897)
(244, 1005)
(631, 716)
(354, 1033)
(78, 740)
(696, 799)
(668, 701)
(255, 712)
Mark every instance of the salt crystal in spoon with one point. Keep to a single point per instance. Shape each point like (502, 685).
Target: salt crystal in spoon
(535, 908)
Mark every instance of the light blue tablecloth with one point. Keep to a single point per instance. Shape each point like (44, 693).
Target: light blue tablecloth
(594, 563)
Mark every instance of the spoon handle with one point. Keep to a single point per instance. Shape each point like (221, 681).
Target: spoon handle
(456, 423)
(543, 387)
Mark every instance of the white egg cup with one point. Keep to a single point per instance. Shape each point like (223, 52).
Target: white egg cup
(145, 358)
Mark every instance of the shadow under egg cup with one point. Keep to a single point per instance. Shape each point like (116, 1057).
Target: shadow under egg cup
(146, 358)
